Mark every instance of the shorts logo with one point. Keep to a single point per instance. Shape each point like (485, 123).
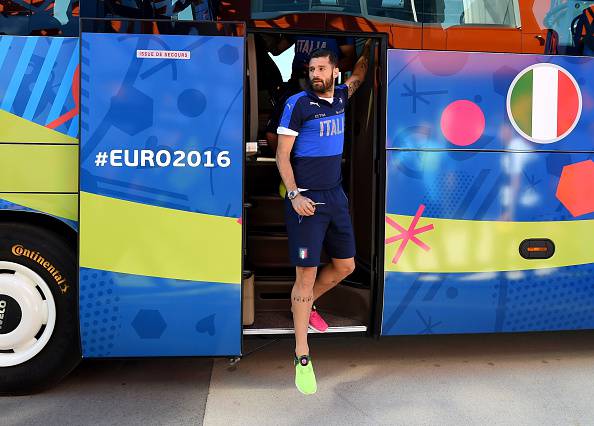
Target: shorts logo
(303, 253)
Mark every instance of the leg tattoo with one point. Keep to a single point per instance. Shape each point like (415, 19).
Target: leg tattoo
(302, 299)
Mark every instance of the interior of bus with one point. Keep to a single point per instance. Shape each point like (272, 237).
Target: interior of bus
(346, 308)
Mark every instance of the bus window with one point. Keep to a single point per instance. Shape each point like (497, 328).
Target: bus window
(14, 18)
(560, 16)
(263, 9)
(39, 17)
(261, 6)
(11, 8)
(403, 10)
(56, 18)
(472, 12)
(182, 10)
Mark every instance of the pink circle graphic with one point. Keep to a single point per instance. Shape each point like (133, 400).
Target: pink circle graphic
(462, 123)
(444, 64)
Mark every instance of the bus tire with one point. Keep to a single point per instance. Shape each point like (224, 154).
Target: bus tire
(39, 333)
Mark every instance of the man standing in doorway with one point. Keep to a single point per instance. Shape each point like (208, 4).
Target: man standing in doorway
(309, 157)
(305, 45)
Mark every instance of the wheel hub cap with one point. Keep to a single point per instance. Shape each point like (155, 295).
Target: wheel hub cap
(10, 314)
(27, 312)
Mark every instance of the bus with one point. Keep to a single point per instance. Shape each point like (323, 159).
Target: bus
(140, 213)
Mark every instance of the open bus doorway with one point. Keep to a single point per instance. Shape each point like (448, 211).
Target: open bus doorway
(347, 307)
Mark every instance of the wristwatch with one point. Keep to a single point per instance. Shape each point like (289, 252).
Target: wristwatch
(293, 194)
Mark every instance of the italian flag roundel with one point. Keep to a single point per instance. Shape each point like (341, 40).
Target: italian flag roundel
(544, 103)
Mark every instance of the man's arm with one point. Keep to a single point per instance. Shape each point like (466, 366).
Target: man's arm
(360, 70)
(283, 160)
(302, 205)
(348, 57)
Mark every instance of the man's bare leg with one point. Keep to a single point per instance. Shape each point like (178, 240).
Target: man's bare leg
(301, 301)
(331, 275)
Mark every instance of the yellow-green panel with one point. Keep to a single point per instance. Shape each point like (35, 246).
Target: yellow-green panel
(18, 130)
(132, 238)
(484, 246)
(60, 205)
(39, 168)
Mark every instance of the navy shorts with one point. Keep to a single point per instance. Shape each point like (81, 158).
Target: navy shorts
(330, 227)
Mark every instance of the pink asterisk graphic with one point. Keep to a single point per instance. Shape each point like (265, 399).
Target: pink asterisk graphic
(409, 234)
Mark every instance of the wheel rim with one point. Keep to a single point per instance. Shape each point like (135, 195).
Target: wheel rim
(22, 289)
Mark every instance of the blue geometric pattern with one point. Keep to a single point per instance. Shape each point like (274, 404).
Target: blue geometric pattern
(38, 79)
(423, 83)
(132, 315)
(100, 316)
(489, 180)
(149, 324)
(164, 104)
(495, 186)
(228, 54)
(491, 302)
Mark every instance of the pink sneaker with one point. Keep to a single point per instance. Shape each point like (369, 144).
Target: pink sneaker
(316, 322)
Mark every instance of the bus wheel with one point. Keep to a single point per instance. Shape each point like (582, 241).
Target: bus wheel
(39, 335)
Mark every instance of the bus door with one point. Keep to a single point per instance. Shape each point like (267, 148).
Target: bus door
(489, 193)
(161, 188)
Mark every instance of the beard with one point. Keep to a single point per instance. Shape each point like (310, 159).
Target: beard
(322, 86)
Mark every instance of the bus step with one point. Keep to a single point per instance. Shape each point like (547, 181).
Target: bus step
(281, 322)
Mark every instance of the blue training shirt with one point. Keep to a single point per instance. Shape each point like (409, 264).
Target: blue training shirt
(319, 129)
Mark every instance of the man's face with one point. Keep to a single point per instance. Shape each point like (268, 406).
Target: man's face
(322, 74)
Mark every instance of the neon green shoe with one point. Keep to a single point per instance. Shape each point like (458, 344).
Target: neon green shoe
(305, 379)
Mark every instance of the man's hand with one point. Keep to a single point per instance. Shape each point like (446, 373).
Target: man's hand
(303, 205)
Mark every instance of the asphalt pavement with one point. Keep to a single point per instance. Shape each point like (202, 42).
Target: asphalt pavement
(118, 392)
(536, 379)
(521, 379)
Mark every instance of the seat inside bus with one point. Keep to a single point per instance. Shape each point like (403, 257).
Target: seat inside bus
(266, 243)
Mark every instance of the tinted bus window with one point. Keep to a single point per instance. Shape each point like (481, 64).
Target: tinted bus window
(10, 8)
(39, 17)
(262, 9)
(403, 10)
(183, 10)
(14, 18)
(162, 26)
(562, 17)
(472, 12)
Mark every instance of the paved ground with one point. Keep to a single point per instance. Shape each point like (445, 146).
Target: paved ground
(545, 379)
(538, 379)
(113, 392)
